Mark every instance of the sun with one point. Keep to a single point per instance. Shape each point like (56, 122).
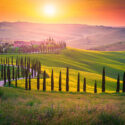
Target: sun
(49, 10)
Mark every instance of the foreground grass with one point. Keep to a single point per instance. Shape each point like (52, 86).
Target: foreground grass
(18, 107)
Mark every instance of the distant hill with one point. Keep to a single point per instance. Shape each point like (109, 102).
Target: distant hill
(75, 35)
(119, 46)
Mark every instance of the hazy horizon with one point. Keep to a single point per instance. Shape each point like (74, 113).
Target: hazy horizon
(63, 23)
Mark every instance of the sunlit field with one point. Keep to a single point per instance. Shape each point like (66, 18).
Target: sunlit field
(88, 63)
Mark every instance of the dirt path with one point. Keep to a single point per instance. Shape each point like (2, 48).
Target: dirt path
(2, 82)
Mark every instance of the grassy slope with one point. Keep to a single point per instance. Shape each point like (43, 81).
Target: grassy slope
(88, 63)
(20, 107)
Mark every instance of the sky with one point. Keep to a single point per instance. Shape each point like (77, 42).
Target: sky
(92, 12)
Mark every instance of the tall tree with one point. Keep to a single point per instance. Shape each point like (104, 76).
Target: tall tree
(118, 84)
(38, 79)
(26, 82)
(95, 87)
(12, 60)
(13, 72)
(78, 83)
(44, 80)
(4, 74)
(29, 82)
(67, 79)
(16, 79)
(60, 82)
(84, 85)
(52, 81)
(2, 71)
(103, 80)
(18, 71)
(123, 82)
(9, 76)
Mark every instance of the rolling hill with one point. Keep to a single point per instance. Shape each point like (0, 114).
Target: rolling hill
(88, 63)
(119, 46)
(75, 35)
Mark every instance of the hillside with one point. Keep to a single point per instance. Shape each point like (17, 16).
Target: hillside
(75, 35)
(88, 63)
(34, 107)
(119, 46)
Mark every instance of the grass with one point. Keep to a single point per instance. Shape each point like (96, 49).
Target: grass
(88, 63)
(18, 106)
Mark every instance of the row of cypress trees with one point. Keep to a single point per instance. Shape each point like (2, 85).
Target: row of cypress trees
(25, 67)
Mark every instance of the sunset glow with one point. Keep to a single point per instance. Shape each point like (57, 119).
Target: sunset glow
(95, 12)
(49, 10)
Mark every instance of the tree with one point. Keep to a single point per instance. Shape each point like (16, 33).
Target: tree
(67, 79)
(103, 80)
(78, 83)
(44, 80)
(13, 72)
(4, 74)
(95, 87)
(26, 82)
(16, 79)
(123, 82)
(18, 71)
(9, 78)
(12, 60)
(118, 84)
(29, 82)
(52, 81)
(84, 85)
(38, 80)
(60, 82)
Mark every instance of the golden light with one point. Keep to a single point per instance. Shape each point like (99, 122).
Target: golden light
(49, 10)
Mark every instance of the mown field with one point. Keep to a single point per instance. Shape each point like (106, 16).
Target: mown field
(88, 63)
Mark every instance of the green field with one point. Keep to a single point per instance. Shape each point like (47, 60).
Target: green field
(21, 107)
(88, 63)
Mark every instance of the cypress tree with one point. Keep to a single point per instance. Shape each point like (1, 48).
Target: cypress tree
(1, 61)
(67, 79)
(52, 81)
(25, 61)
(103, 80)
(4, 74)
(95, 87)
(8, 61)
(12, 60)
(84, 85)
(60, 82)
(38, 81)
(9, 78)
(29, 82)
(13, 72)
(18, 71)
(118, 84)
(44, 80)
(32, 71)
(123, 82)
(16, 79)
(78, 83)
(26, 83)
